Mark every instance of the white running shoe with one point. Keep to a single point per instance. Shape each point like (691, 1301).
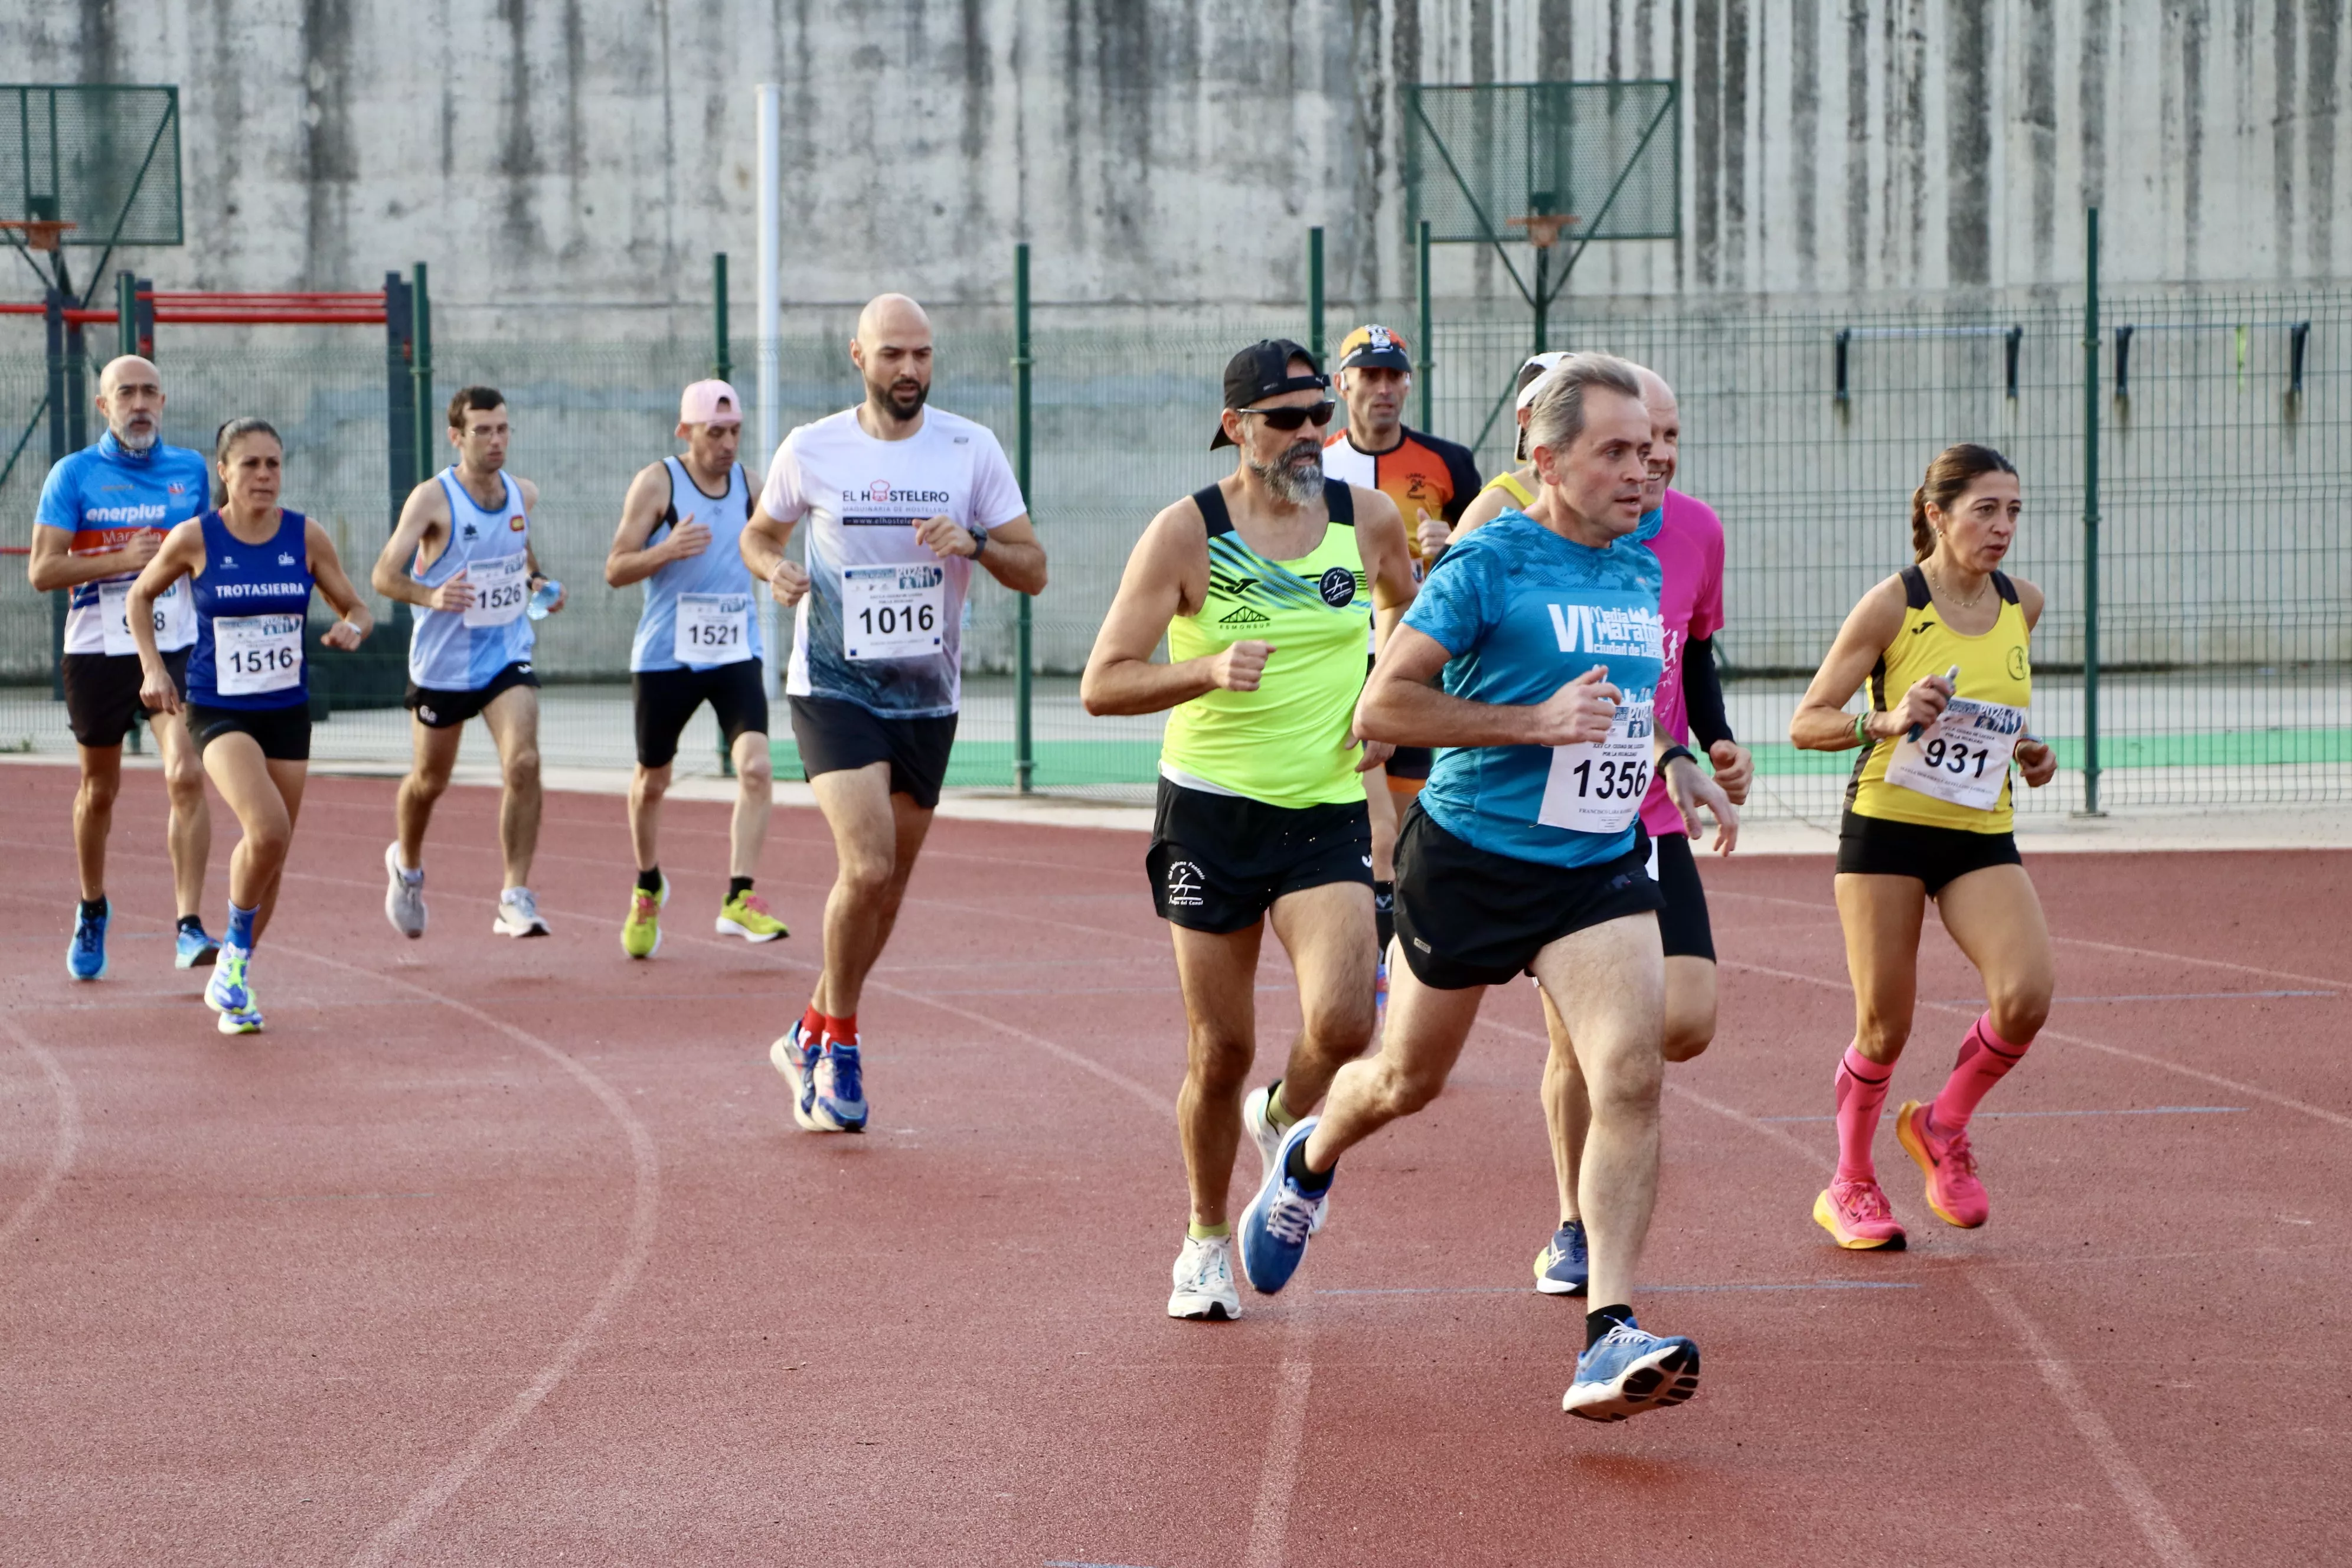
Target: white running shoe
(1205, 1280)
(519, 914)
(1268, 1138)
(403, 900)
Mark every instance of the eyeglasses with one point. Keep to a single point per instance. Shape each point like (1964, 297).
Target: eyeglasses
(1316, 414)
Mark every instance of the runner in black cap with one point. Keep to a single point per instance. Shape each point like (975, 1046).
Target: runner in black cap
(1260, 585)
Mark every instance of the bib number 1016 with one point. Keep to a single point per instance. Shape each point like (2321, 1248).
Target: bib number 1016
(893, 620)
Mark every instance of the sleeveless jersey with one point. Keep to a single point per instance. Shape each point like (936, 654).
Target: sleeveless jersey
(251, 603)
(462, 650)
(1995, 667)
(1508, 481)
(1286, 743)
(722, 611)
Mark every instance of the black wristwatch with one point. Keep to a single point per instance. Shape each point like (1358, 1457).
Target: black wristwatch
(1666, 758)
(978, 537)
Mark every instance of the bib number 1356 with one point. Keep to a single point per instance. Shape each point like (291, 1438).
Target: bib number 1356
(1597, 788)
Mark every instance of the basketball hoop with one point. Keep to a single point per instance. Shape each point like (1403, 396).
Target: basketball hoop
(1543, 229)
(40, 233)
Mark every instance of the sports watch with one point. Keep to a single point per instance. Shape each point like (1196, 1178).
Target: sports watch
(978, 537)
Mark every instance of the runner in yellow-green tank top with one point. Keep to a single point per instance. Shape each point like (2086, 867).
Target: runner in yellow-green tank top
(1945, 647)
(1259, 583)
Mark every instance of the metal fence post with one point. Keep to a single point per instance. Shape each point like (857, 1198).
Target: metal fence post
(1420, 278)
(54, 317)
(722, 366)
(126, 312)
(1315, 292)
(420, 366)
(2091, 515)
(1024, 757)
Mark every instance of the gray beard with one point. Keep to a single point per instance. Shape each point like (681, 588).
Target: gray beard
(1296, 480)
(137, 443)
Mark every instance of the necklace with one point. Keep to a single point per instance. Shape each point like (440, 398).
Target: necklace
(1958, 603)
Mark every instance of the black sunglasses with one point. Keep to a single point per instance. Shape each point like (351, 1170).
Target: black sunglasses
(1316, 414)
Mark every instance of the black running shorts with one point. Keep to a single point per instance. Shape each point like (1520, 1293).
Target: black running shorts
(666, 699)
(438, 709)
(1411, 762)
(1218, 862)
(102, 693)
(834, 736)
(1683, 925)
(283, 733)
(1469, 917)
(1935, 857)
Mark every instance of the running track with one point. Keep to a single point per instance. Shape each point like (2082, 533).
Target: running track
(495, 1251)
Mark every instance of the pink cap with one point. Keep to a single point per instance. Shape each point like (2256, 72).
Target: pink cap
(710, 403)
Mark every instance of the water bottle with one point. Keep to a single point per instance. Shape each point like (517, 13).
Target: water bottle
(542, 600)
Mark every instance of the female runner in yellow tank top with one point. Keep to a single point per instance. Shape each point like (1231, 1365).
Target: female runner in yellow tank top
(1944, 646)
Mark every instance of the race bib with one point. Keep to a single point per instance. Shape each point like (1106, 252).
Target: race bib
(173, 614)
(1596, 786)
(893, 612)
(501, 586)
(253, 655)
(1963, 757)
(712, 628)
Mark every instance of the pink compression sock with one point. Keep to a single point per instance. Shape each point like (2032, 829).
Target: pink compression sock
(1860, 1091)
(1985, 1059)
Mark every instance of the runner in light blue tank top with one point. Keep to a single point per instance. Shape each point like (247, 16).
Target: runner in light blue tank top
(461, 558)
(719, 630)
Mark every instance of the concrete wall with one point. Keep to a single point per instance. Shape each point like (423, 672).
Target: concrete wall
(569, 167)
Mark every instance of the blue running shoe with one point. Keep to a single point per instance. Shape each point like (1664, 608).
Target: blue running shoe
(1561, 1268)
(246, 1020)
(840, 1084)
(1631, 1371)
(227, 991)
(194, 949)
(795, 1054)
(86, 957)
(1274, 1227)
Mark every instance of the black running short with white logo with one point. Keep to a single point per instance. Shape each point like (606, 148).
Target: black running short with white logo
(1218, 862)
(439, 708)
(1465, 916)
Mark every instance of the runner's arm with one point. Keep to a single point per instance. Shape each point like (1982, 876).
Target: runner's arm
(182, 552)
(1012, 555)
(1167, 575)
(1820, 722)
(1402, 706)
(1488, 505)
(631, 558)
(421, 516)
(55, 565)
(761, 544)
(1388, 558)
(335, 587)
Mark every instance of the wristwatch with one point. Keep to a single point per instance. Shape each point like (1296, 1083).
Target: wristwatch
(978, 537)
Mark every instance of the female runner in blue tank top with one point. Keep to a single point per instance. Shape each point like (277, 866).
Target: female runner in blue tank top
(251, 565)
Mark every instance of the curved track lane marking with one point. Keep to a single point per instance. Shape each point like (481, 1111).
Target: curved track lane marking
(2234, 1086)
(1286, 1435)
(62, 1148)
(446, 1483)
(2131, 1489)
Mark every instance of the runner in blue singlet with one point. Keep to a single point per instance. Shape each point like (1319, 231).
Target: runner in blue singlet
(249, 567)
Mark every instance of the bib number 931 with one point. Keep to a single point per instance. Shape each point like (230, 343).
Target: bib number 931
(1963, 757)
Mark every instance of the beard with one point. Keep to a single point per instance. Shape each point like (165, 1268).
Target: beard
(1296, 476)
(139, 438)
(904, 398)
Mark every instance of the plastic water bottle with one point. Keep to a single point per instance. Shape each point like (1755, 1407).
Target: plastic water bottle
(550, 589)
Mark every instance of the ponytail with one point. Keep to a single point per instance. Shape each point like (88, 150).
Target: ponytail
(1948, 478)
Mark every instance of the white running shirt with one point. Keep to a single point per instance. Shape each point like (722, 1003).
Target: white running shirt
(883, 623)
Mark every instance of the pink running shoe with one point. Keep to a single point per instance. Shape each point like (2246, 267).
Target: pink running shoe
(1856, 1215)
(1953, 1190)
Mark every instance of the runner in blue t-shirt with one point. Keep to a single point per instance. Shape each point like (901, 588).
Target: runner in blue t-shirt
(1526, 854)
(103, 514)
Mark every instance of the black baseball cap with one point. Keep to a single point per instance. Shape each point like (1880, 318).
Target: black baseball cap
(1262, 371)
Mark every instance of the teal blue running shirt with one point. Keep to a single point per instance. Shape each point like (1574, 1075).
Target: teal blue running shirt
(1522, 612)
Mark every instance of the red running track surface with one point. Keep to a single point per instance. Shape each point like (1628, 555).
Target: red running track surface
(499, 1251)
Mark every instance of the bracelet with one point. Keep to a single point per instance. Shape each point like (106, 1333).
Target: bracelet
(1862, 735)
(1666, 758)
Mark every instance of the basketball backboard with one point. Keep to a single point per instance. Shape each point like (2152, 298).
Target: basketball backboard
(102, 159)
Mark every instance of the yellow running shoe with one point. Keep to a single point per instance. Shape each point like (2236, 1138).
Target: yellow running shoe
(641, 932)
(747, 915)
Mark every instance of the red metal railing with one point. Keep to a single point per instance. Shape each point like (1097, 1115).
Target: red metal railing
(209, 308)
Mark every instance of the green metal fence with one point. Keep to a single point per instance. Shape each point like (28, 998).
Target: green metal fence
(2225, 445)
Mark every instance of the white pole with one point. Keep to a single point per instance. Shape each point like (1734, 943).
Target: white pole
(770, 393)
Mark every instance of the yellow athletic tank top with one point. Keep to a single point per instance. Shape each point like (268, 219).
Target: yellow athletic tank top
(1508, 481)
(1995, 668)
(1286, 743)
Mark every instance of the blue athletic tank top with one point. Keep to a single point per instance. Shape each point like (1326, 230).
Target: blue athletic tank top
(462, 650)
(718, 629)
(251, 603)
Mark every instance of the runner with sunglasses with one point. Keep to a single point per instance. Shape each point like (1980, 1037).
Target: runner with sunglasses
(1259, 584)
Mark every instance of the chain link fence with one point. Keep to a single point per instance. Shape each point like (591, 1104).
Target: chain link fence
(2226, 441)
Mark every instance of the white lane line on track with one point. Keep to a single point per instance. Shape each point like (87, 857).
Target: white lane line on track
(2155, 1526)
(2233, 1085)
(1278, 1477)
(65, 1144)
(644, 1214)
